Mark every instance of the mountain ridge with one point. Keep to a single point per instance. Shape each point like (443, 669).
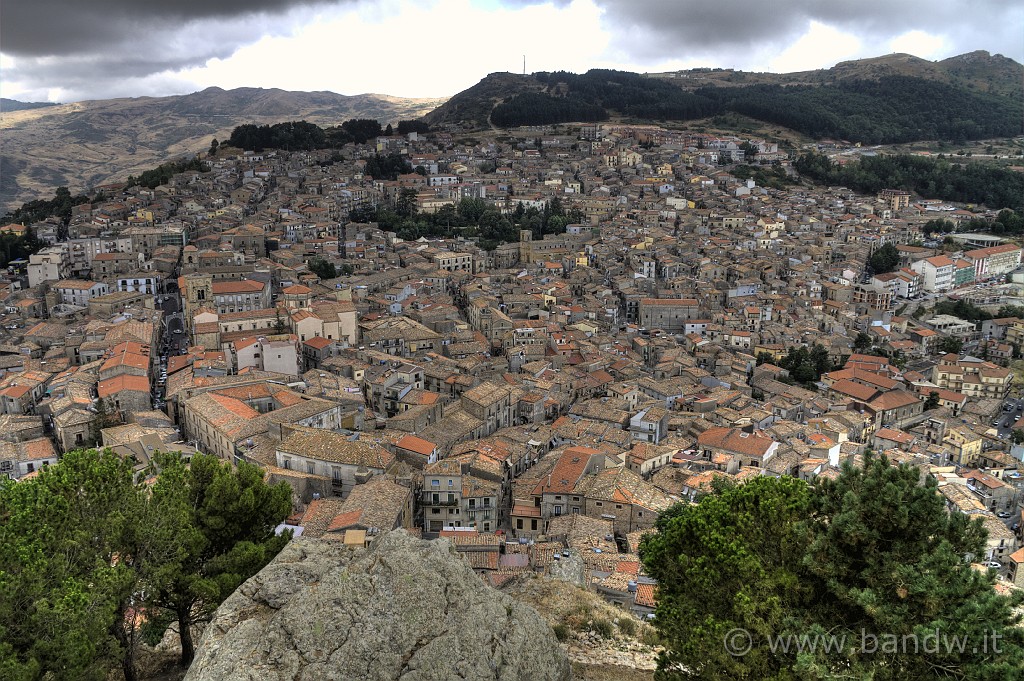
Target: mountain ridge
(86, 144)
(93, 142)
(974, 80)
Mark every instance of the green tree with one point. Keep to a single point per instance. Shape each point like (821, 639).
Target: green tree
(322, 268)
(862, 342)
(820, 359)
(405, 205)
(1010, 311)
(884, 259)
(66, 568)
(868, 556)
(892, 562)
(104, 418)
(84, 548)
(950, 344)
(225, 519)
(732, 561)
(932, 402)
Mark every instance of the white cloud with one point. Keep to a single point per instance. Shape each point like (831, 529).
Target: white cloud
(436, 48)
(820, 46)
(411, 50)
(919, 44)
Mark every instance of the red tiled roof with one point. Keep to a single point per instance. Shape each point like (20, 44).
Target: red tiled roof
(121, 383)
(416, 444)
(645, 596)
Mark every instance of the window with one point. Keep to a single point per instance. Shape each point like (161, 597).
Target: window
(598, 503)
(451, 498)
(436, 498)
(519, 523)
(287, 463)
(533, 524)
(435, 483)
(310, 467)
(558, 509)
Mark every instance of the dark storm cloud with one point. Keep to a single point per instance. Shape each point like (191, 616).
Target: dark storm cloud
(94, 49)
(40, 28)
(686, 28)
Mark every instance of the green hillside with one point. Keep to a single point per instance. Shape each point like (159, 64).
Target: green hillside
(884, 100)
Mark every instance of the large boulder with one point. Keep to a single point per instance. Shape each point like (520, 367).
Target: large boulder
(403, 608)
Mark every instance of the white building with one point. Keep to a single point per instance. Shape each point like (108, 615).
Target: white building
(79, 292)
(994, 261)
(936, 272)
(141, 282)
(50, 264)
(280, 355)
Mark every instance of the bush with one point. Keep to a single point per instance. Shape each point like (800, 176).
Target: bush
(602, 627)
(154, 627)
(561, 631)
(627, 625)
(579, 616)
(651, 637)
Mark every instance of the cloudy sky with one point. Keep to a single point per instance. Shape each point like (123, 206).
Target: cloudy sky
(71, 50)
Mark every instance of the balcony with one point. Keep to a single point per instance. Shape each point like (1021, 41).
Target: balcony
(441, 501)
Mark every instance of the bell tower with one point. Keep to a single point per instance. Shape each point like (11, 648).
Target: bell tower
(198, 293)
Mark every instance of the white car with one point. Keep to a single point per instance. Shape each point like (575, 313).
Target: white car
(994, 565)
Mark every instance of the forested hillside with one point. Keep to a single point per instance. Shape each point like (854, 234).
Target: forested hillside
(935, 178)
(888, 110)
(873, 103)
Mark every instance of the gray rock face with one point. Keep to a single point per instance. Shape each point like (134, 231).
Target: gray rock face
(401, 609)
(570, 569)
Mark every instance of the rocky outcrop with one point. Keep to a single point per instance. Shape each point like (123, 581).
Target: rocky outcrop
(569, 568)
(401, 609)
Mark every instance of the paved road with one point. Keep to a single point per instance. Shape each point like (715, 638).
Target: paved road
(1009, 419)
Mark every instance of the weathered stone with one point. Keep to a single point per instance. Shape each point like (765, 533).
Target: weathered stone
(570, 569)
(401, 609)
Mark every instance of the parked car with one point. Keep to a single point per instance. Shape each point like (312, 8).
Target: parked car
(1003, 514)
(994, 565)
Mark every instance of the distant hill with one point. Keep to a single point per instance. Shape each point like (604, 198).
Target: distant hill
(896, 98)
(86, 144)
(15, 105)
(471, 108)
(979, 71)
